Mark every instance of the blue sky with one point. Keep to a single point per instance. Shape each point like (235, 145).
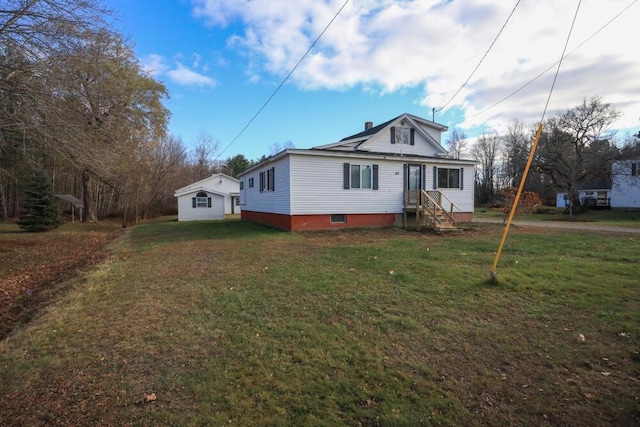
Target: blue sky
(222, 59)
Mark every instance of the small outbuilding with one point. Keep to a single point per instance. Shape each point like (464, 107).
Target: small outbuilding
(209, 199)
(593, 198)
(75, 204)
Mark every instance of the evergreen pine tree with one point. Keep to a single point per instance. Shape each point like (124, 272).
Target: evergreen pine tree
(39, 210)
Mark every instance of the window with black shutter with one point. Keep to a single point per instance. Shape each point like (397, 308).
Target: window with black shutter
(360, 176)
(448, 177)
(202, 200)
(268, 180)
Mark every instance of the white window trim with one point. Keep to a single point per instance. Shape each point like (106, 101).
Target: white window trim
(362, 168)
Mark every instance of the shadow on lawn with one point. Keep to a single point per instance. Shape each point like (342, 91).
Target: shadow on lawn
(169, 231)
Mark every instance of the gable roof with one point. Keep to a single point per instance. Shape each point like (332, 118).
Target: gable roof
(350, 146)
(353, 142)
(198, 189)
(202, 182)
(371, 131)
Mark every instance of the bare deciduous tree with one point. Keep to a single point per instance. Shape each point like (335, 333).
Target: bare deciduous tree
(572, 141)
(277, 147)
(202, 156)
(486, 150)
(457, 143)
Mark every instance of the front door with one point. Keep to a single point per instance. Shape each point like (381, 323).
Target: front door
(414, 182)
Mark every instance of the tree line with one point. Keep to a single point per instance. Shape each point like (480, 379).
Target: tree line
(575, 151)
(77, 107)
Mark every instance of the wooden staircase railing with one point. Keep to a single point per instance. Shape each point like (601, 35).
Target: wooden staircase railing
(428, 208)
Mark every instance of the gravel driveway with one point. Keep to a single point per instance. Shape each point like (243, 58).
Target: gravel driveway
(562, 224)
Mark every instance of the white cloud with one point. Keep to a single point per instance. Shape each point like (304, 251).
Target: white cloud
(187, 77)
(178, 73)
(154, 64)
(393, 45)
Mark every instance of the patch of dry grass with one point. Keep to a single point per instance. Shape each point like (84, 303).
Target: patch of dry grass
(235, 323)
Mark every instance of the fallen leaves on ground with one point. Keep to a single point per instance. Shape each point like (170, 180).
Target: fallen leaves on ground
(33, 263)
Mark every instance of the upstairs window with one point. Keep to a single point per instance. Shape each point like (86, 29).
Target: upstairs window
(403, 135)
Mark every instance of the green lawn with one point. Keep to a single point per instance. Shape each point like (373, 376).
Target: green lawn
(234, 323)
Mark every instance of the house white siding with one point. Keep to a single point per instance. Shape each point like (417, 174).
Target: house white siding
(625, 188)
(186, 211)
(318, 186)
(276, 201)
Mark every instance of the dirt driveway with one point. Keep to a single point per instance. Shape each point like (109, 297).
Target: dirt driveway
(588, 226)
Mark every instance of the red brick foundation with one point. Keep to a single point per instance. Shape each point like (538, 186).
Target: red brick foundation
(323, 221)
(463, 216)
(317, 222)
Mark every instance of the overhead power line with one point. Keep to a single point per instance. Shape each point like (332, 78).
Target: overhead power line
(481, 59)
(556, 63)
(514, 208)
(283, 81)
(564, 51)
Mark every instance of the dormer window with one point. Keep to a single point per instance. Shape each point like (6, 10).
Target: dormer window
(403, 135)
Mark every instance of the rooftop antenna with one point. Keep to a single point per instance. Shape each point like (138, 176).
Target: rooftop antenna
(433, 113)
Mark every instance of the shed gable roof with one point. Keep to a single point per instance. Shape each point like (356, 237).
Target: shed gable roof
(195, 190)
(208, 183)
(204, 182)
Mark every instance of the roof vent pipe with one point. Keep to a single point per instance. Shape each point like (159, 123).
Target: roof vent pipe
(368, 125)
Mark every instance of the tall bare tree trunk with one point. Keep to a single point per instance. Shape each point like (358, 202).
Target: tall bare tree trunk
(3, 201)
(88, 213)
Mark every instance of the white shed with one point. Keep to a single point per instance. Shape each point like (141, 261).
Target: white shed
(209, 199)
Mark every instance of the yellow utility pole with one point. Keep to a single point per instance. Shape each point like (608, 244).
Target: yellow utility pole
(515, 204)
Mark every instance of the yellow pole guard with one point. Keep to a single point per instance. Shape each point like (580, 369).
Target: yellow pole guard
(515, 202)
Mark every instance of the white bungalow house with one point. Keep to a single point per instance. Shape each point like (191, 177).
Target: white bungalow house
(210, 198)
(386, 175)
(625, 186)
